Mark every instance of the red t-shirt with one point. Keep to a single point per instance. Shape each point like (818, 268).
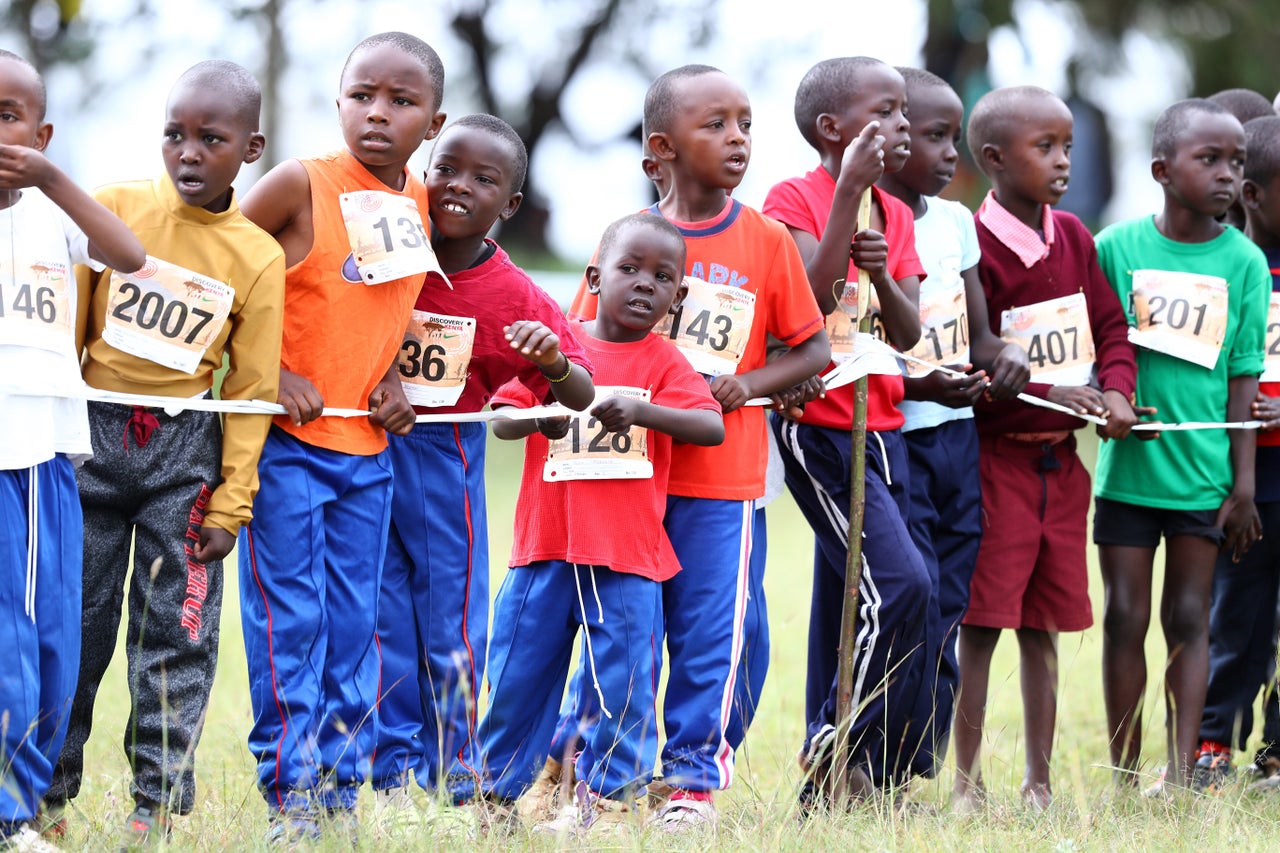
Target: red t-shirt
(496, 293)
(805, 203)
(614, 523)
(743, 248)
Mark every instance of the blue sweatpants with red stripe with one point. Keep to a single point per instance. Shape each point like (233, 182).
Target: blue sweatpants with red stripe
(41, 537)
(946, 525)
(536, 619)
(310, 563)
(433, 611)
(889, 659)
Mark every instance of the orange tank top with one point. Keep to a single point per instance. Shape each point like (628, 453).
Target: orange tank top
(340, 333)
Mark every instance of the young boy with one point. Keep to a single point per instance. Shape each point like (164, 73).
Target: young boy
(563, 557)
(852, 111)
(1245, 105)
(753, 283)
(433, 608)
(356, 252)
(176, 487)
(1031, 573)
(50, 224)
(1242, 619)
(941, 439)
(1197, 294)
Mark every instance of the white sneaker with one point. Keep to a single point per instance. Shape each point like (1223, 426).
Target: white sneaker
(27, 840)
(685, 815)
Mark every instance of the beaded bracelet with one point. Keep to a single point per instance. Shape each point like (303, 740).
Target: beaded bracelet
(567, 370)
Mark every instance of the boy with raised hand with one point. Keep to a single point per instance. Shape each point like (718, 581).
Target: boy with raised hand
(852, 111)
(433, 609)
(1242, 618)
(49, 224)
(941, 439)
(1197, 294)
(1044, 290)
(357, 253)
(618, 456)
(751, 283)
(177, 488)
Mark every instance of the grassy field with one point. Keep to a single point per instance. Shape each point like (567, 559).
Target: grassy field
(757, 813)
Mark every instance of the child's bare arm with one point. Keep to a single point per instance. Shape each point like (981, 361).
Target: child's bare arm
(802, 362)
(110, 240)
(1006, 364)
(301, 400)
(826, 260)
(280, 204)
(537, 343)
(512, 430)
(692, 426)
(1238, 516)
(899, 300)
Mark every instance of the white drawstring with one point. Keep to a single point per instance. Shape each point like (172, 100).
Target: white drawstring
(884, 455)
(33, 542)
(586, 632)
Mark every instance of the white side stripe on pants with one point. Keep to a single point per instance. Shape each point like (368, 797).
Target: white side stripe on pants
(33, 541)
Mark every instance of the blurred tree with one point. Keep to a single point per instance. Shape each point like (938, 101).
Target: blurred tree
(45, 27)
(619, 32)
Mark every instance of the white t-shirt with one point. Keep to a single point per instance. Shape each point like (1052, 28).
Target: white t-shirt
(946, 241)
(38, 245)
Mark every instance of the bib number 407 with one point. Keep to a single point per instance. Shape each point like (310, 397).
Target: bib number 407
(1054, 348)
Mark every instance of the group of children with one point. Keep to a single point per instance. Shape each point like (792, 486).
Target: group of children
(345, 282)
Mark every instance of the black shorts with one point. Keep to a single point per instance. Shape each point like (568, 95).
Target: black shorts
(1119, 523)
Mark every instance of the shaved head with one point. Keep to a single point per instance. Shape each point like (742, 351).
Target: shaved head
(828, 87)
(996, 113)
(231, 82)
(413, 46)
(10, 56)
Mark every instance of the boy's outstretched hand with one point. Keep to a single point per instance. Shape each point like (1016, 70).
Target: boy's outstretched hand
(535, 342)
(1238, 518)
(1267, 410)
(1080, 398)
(389, 408)
(301, 399)
(215, 544)
(956, 392)
(553, 428)
(617, 414)
(863, 159)
(790, 402)
(1120, 416)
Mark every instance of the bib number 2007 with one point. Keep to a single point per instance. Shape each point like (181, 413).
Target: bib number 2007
(153, 311)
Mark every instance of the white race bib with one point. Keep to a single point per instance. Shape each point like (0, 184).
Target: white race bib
(165, 313)
(842, 323)
(591, 452)
(35, 307)
(944, 323)
(1271, 373)
(387, 237)
(1057, 337)
(434, 358)
(1180, 314)
(712, 326)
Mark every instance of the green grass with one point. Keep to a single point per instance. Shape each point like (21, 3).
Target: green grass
(757, 813)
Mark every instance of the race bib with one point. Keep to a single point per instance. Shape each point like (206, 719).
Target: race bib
(1271, 373)
(711, 327)
(165, 313)
(1057, 337)
(387, 237)
(434, 358)
(944, 324)
(842, 323)
(591, 452)
(35, 305)
(1180, 314)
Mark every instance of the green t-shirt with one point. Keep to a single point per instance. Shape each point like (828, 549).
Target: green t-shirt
(1183, 470)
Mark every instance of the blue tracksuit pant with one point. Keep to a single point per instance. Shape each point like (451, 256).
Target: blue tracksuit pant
(310, 563)
(433, 611)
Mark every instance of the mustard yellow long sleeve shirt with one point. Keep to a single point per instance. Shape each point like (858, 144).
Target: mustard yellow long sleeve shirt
(227, 248)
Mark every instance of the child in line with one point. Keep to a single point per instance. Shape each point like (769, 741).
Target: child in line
(1031, 574)
(177, 488)
(563, 557)
(699, 124)
(433, 608)
(1242, 617)
(1245, 105)
(852, 111)
(357, 252)
(1197, 294)
(941, 438)
(50, 224)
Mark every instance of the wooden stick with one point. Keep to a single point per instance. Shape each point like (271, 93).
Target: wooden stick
(842, 762)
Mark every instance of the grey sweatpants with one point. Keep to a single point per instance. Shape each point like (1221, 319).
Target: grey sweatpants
(151, 489)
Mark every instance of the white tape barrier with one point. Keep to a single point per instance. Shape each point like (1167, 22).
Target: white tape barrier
(871, 356)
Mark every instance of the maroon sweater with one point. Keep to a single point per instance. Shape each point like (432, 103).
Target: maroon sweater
(1072, 265)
